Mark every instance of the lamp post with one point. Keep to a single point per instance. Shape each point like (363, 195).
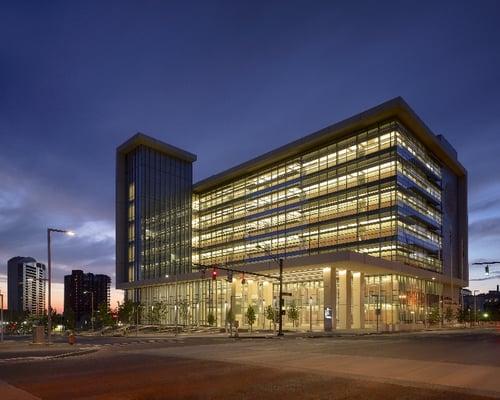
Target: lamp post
(49, 280)
(310, 314)
(475, 308)
(91, 307)
(280, 299)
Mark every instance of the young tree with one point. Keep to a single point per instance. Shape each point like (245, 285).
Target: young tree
(230, 320)
(126, 312)
(293, 313)
(104, 316)
(250, 314)
(69, 319)
(434, 316)
(211, 319)
(461, 315)
(448, 315)
(163, 310)
(184, 311)
(271, 315)
(154, 314)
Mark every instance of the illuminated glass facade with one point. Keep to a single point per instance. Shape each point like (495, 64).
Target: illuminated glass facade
(369, 216)
(376, 191)
(159, 214)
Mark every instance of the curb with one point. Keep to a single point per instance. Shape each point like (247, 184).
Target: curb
(46, 358)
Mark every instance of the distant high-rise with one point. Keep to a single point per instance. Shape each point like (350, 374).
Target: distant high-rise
(26, 285)
(80, 288)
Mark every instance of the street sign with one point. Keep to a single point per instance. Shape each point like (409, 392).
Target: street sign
(286, 294)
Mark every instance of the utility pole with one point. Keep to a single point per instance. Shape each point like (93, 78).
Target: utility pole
(49, 273)
(475, 308)
(49, 280)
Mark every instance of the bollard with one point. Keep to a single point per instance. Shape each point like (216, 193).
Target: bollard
(71, 339)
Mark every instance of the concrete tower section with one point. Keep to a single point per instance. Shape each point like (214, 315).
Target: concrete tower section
(153, 213)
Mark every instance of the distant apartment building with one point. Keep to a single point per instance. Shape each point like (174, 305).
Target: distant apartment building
(26, 285)
(80, 289)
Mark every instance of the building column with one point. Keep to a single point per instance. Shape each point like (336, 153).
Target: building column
(358, 300)
(330, 298)
(345, 299)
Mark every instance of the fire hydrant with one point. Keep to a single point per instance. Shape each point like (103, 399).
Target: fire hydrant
(71, 339)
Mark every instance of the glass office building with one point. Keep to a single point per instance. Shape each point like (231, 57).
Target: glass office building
(369, 216)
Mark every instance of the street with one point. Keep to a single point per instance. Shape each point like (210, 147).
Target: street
(427, 365)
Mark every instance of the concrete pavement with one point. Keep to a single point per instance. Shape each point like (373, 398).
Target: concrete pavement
(404, 361)
(436, 365)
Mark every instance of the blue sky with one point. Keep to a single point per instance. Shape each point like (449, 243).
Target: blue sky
(227, 81)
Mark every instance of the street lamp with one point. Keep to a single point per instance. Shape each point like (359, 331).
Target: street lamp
(310, 314)
(91, 307)
(280, 302)
(49, 262)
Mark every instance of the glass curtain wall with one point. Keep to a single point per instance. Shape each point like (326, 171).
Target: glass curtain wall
(375, 192)
(402, 300)
(159, 214)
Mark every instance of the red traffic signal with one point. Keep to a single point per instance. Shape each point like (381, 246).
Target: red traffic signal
(214, 274)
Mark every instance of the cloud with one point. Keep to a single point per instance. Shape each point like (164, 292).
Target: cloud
(29, 205)
(492, 276)
(485, 228)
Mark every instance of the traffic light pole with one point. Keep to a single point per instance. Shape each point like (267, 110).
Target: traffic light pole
(280, 280)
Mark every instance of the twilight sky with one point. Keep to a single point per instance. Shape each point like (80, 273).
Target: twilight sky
(226, 81)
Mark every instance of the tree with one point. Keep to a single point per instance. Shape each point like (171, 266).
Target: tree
(211, 319)
(230, 320)
(126, 312)
(434, 316)
(163, 310)
(184, 310)
(271, 315)
(154, 314)
(69, 319)
(461, 315)
(293, 313)
(250, 314)
(104, 316)
(448, 315)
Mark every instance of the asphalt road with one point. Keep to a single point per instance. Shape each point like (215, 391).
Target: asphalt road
(460, 365)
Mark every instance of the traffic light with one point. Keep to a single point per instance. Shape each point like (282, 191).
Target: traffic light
(243, 280)
(214, 274)
(487, 270)
(230, 276)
